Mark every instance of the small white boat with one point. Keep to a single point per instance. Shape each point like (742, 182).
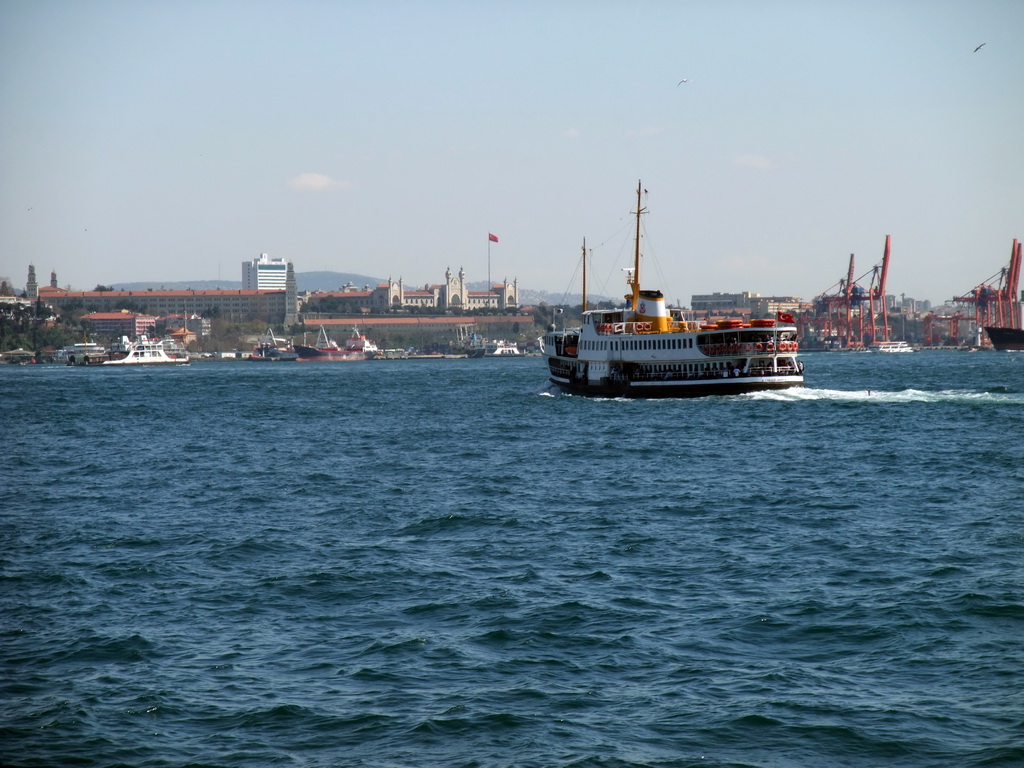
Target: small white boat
(890, 347)
(500, 348)
(147, 351)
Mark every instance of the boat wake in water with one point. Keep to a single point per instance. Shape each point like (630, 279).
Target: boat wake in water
(804, 394)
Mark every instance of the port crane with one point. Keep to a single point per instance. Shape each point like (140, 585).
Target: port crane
(852, 315)
(996, 302)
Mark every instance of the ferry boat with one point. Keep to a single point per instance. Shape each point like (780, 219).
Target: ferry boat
(147, 351)
(82, 353)
(1006, 338)
(326, 349)
(891, 347)
(499, 348)
(645, 350)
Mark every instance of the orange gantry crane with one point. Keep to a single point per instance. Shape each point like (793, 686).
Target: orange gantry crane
(996, 302)
(853, 316)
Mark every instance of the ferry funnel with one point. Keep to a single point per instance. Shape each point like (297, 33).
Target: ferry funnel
(650, 308)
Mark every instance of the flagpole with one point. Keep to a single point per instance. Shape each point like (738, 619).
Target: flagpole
(491, 238)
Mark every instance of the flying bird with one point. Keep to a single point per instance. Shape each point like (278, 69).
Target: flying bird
(979, 47)
(684, 80)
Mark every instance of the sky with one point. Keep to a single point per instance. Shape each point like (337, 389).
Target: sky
(168, 140)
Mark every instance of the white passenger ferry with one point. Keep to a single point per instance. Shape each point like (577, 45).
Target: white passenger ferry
(147, 351)
(645, 350)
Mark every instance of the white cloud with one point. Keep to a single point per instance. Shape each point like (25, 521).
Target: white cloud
(759, 162)
(316, 182)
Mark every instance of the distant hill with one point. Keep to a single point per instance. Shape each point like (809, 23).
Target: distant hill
(333, 281)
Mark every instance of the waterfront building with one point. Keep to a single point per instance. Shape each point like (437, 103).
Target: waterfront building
(770, 306)
(453, 294)
(291, 296)
(720, 303)
(745, 303)
(266, 306)
(123, 323)
(265, 274)
(31, 286)
(192, 324)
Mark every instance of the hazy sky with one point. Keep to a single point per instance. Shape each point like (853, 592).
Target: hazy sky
(171, 140)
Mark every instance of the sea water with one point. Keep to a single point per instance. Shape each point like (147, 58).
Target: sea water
(449, 563)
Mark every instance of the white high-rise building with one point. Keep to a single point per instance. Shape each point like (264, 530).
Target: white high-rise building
(265, 274)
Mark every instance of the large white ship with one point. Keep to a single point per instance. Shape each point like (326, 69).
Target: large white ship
(646, 350)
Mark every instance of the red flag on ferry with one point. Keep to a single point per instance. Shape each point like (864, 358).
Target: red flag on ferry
(784, 317)
(492, 238)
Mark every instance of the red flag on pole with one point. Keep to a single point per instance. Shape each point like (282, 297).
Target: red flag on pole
(492, 238)
(784, 317)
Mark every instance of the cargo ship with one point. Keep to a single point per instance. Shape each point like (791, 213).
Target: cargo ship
(1006, 338)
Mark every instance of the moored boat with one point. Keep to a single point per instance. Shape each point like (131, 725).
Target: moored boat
(500, 348)
(326, 349)
(147, 351)
(1006, 338)
(82, 353)
(644, 350)
(271, 349)
(268, 353)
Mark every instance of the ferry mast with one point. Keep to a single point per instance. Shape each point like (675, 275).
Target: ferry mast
(584, 274)
(635, 280)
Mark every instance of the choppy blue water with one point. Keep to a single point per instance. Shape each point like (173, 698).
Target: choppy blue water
(445, 563)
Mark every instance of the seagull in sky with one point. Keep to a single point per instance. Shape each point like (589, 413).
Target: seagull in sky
(684, 80)
(979, 47)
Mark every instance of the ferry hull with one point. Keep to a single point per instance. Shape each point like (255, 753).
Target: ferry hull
(676, 389)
